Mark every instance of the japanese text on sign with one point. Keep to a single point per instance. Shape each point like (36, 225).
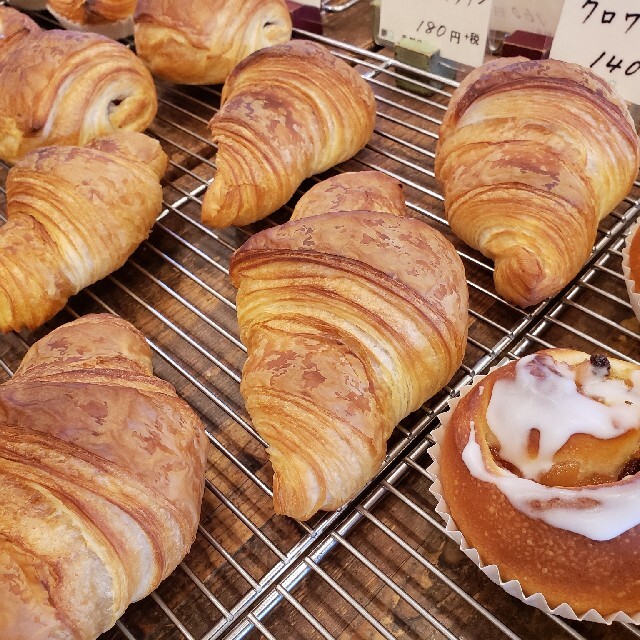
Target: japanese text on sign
(605, 36)
(537, 17)
(458, 28)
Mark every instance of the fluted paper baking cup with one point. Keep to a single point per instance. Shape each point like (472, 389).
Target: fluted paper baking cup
(492, 571)
(634, 297)
(114, 30)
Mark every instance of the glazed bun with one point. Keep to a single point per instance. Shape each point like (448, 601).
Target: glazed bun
(538, 470)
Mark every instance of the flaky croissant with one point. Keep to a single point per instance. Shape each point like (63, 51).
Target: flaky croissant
(532, 155)
(288, 112)
(352, 319)
(112, 18)
(64, 87)
(539, 465)
(75, 214)
(201, 41)
(101, 480)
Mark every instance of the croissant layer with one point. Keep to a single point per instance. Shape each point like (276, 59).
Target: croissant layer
(532, 155)
(61, 87)
(92, 14)
(101, 478)
(75, 214)
(288, 112)
(201, 41)
(352, 319)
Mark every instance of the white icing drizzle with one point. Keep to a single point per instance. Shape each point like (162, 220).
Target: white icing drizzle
(599, 513)
(544, 396)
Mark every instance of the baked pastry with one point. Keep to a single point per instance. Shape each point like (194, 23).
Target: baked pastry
(287, 112)
(631, 267)
(201, 41)
(532, 155)
(101, 481)
(111, 18)
(351, 319)
(353, 191)
(538, 466)
(75, 214)
(62, 87)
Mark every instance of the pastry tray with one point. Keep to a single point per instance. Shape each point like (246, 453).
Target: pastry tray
(382, 566)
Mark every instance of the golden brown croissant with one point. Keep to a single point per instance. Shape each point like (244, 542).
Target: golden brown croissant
(112, 18)
(532, 155)
(62, 87)
(201, 41)
(538, 467)
(352, 319)
(75, 214)
(288, 112)
(101, 480)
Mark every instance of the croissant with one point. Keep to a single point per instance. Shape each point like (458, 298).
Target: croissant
(201, 41)
(101, 480)
(112, 18)
(288, 112)
(351, 319)
(75, 214)
(61, 87)
(532, 155)
(538, 467)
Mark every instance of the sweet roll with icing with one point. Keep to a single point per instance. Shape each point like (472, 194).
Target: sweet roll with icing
(538, 467)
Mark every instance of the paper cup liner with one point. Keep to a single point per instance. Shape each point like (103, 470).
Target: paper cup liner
(492, 571)
(29, 5)
(634, 297)
(114, 30)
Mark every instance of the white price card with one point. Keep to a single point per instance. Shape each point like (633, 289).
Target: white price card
(603, 35)
(311, 3)
(458, 28)
(541, 16)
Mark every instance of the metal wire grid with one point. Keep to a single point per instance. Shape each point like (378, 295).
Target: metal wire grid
(176, 289)
(412, 581)
(389, 567)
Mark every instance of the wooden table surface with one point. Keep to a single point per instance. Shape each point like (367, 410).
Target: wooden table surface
(388, 570)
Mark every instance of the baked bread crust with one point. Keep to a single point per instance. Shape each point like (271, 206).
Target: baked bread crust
(352, 319)
(532, 155)
(564, 566)
(287, 112)
(66, 87)
(201, 41)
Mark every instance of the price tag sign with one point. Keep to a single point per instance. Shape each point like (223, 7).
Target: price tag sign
(458, 28)
(603, 35)
(536, 17)
(311, 3)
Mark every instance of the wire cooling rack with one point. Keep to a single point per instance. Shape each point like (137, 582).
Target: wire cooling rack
(381, 567)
